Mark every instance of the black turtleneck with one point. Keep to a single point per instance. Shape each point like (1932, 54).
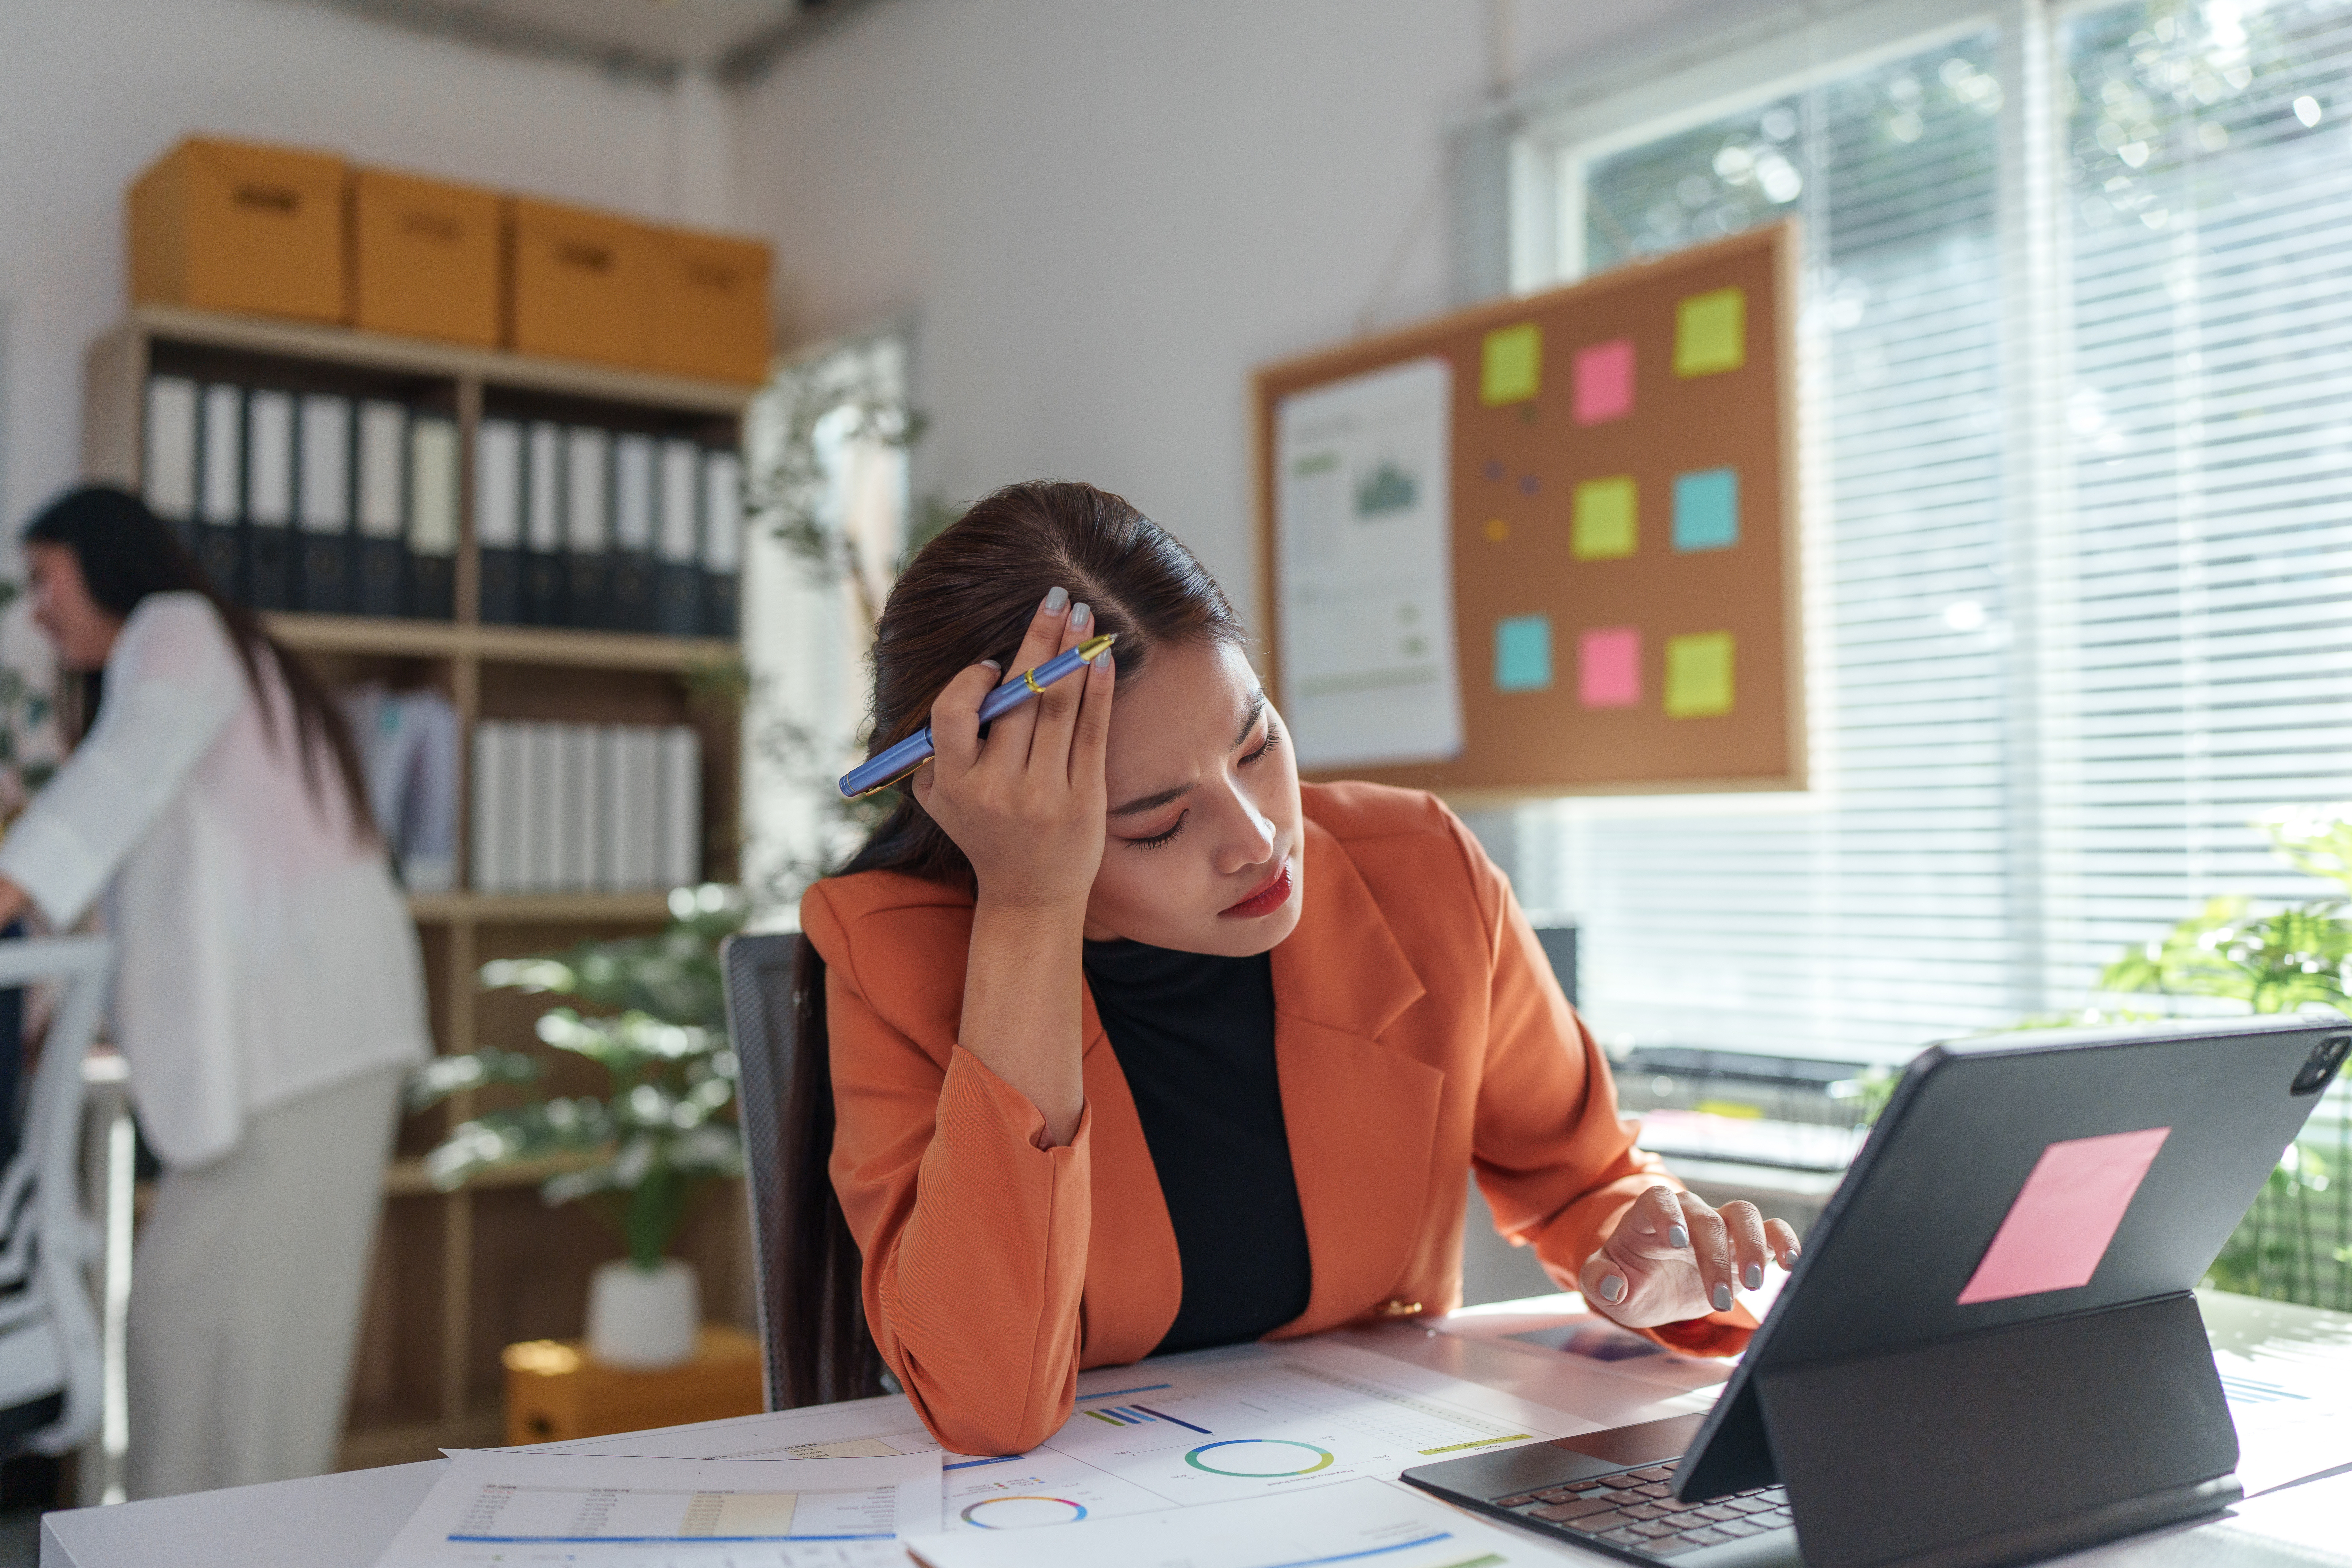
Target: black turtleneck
(1195, 1036)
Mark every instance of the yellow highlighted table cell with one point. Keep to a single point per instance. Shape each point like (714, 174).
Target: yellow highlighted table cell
(1711, 332)
(1510, 365)
(1605, 524)
(1698, 675)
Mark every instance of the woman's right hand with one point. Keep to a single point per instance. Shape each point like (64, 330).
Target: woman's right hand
(1025, 804)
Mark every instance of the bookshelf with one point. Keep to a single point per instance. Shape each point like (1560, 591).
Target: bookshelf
(459, 1274)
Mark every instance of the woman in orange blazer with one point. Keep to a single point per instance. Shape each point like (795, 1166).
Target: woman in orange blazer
(1132, 1044)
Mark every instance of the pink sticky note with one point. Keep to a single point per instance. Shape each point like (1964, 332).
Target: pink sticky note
(1604, 381)
(1609, 667)
(2065, 1216)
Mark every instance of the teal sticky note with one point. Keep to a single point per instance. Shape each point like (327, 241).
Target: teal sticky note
(1523, 652)
(1707, 509)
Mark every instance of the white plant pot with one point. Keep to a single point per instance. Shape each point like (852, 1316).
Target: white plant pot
(641, 1318)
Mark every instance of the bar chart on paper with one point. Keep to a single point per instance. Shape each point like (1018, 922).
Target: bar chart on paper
(608, 1512)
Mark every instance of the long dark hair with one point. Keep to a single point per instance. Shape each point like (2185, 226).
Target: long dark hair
(969, 594)
(126, 552)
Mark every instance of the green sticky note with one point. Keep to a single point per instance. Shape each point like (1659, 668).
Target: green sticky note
(1711, 332)
(1603, 523)
(1698, 675)
(1523, 652)
(1510, 368)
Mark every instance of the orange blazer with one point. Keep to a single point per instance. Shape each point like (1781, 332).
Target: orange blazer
(1419, 1036)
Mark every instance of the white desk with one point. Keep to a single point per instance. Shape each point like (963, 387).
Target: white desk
(346, 1520)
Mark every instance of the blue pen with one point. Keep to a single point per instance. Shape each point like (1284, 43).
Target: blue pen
(881, 772)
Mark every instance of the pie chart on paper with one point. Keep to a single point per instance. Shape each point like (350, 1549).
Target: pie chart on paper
(1018, 1513)
(1259, 1458)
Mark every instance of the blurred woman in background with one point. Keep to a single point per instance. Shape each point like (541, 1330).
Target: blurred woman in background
(269, 996)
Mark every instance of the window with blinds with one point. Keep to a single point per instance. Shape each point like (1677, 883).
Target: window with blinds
(2079, 551)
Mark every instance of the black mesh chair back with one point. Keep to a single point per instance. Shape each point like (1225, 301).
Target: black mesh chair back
(759, 973)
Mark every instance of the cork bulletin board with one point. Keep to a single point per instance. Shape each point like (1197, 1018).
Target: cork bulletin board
(1546, 546)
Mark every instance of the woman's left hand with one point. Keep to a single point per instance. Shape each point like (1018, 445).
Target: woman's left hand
(1671, 1258)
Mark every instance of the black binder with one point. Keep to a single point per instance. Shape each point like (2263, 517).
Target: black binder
(324, 480)
(382, 491)
(1923, 1406)
(632, 581)
(678, 551)
(722, 542)
(500, 507)
(432, 518)
(271, 548)
(542, 558)
(587, 528)
(220, 494)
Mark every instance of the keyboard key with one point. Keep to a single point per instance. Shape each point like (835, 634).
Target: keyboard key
(1656, 1473)
(1642, 1510)
(1626, 1538)
(1595, 1523)
(1653, 1490)
(1749, 1505)
(1676, 1505)
(1777, 1496)
(1623, 1483)
(1741, 1528)
(1777, 1520)
(1519, 1501)
(1704, 1536)
(1717, 1510)
(1580, 1487)
(1554, 1494)
(1671, 1546)
(1653, 1529)
(1562, 1512)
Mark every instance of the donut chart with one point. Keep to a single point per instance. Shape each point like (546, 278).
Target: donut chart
(1262, 1457)
(1022, 1511)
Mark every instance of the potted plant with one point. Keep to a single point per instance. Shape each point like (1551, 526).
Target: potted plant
(642, 1155)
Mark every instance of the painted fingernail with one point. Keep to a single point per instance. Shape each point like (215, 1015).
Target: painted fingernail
(1612, 1290)
(1754, 1278)
(1079, 617)
(1054, 599)
(1789, 1259)
(993, 665)
(1723, 1297)
(1677, 1236)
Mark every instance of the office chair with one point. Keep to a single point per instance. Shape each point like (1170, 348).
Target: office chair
(758, 969)
(51, 1370)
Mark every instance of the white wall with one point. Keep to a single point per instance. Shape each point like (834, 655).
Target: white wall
(1102, 214)
(91, 90)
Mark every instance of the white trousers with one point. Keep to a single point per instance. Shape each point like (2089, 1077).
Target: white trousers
(245, 1292)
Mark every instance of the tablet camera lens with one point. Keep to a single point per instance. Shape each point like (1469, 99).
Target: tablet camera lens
(2325, 1058)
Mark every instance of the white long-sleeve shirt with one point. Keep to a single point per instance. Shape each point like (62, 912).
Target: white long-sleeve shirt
(266, 952)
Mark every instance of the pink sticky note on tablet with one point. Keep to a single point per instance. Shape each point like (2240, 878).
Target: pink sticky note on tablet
(2065, 1216)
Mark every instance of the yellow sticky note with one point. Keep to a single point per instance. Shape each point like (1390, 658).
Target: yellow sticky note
(1510, 367)
(1698, 675)
(1711, 332)
(1604, 523)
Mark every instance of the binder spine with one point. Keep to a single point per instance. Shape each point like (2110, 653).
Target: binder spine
(678, 572)
(432, 518)
(499, 502)
(587, 528)
(167, 464)
(680, 815)
(722, 542)
(269, 499)
(542, 563)
(324, 471)
(220, 517)
(383, 571)
(633, 586)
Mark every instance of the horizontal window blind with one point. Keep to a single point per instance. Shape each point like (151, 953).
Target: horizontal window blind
(2056, 673)
(1864, 917)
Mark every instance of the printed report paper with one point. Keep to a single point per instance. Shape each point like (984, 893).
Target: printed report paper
(1360, 1523)
(1364, 567)
(1202, 1428)
(594, 1510)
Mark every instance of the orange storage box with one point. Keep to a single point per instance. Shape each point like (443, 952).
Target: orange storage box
(229, 226)
(425, 257)
(710, 305)
(578, 283)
